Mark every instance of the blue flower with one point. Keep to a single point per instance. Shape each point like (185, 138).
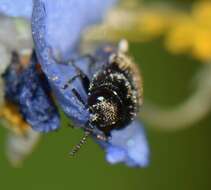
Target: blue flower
(56, 29)
(30, 91)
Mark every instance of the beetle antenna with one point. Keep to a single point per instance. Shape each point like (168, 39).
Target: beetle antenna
(88, 131)
(83, 141)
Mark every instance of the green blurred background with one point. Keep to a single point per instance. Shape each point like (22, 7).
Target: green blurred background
(179, 160)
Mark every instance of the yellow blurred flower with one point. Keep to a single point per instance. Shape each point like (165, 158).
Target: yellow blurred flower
(184, 32)
(12, 116)
(202, 44)
(152, 24)
(180, 35)
(201, 12)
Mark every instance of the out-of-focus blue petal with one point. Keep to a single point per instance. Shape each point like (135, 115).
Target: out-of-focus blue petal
(128, 145)
(16, 8)
(56, 29)
(30, 92)
(67, 19)
(36, 104)
(12, 80)
(58, 74)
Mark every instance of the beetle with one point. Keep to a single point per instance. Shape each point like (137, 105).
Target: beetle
(113, 92)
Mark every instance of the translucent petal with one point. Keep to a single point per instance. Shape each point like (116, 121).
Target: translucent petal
(4, 62)
(5, 58)
(17, 32)
(128, 145)
(19, 147)
(67, 19)
(16, 8)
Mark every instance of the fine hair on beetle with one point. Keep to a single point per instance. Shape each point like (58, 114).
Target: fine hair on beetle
(115, 94)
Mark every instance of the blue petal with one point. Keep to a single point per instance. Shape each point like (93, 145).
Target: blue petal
(35, 104)
(67, 19)
(128, 145)
(56, 29)
(30, 92)
(16, 8)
